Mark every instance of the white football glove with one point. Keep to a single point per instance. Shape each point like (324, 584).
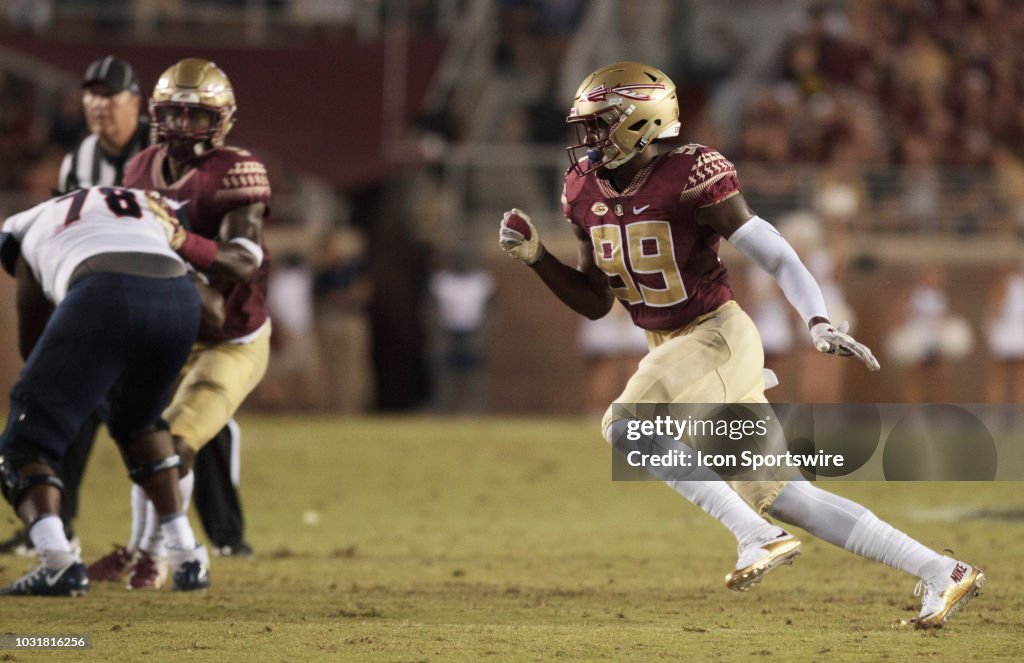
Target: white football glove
(834, 341)
(518, 237)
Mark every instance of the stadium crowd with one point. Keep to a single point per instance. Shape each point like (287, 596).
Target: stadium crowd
(901, 117)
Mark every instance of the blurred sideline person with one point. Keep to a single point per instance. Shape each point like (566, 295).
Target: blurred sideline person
(105, 309)
(612, 347)
(1005, 334)
(462, 293)
(929, 340)
(342, 291)
(111, 104)
(649, 214)
(289, 383)
(226, 192)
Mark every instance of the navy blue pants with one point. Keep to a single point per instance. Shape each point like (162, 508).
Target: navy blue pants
(114, 335)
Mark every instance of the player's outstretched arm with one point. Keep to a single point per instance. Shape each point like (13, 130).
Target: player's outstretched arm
(757, 239)
(584, 288)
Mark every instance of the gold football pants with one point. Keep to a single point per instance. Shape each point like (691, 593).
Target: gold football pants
(718, 358)
(213, 383)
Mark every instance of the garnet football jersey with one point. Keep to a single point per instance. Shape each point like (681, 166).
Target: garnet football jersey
(228, 178)
(661, 264)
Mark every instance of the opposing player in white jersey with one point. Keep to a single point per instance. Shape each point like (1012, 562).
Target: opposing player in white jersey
(105, 307)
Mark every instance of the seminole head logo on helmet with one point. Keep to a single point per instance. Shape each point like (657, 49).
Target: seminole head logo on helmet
(192, 108)
(618, 111)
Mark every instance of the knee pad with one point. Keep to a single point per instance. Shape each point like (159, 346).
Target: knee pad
(15, 487)
(141, 473)
(187, 454)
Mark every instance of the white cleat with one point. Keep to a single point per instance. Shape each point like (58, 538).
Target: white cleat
(945, 592)
(760, 556)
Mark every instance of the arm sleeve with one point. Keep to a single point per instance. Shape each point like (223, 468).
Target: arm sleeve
(761, 242)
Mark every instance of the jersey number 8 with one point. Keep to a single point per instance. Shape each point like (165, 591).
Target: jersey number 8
(121, 202)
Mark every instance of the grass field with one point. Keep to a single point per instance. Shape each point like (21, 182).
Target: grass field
(503, 539)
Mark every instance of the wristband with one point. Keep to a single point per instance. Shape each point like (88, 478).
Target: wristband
(198, 250)
(252, 247)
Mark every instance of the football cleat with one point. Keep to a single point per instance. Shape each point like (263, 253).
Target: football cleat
(760, 556)
(191, 576)
(946, 592)
(148, 571)
(191, 569)
(112, 566)
(68, 579)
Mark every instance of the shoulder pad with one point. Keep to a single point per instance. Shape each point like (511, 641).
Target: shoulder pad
(707, 168)
(689, 148)
(10, 249)
(246, 173)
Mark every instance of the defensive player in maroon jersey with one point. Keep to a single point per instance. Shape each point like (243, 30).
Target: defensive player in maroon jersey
(226, 193)
(649, 213)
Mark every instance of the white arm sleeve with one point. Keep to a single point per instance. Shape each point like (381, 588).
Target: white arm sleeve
(761, 242)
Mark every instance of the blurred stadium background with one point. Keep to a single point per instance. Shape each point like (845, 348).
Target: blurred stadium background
(884, 136)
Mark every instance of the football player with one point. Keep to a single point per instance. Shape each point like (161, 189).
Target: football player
(226, 193)
(649, 212)
(124, 321)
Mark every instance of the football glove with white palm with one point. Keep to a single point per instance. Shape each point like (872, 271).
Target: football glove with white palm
(518, 237)
(833, 341)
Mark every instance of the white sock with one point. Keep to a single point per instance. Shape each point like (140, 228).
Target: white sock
(152, 535)
(139, 502)
(880, 541)
(47, 534)
(849, 525)
(724, 505)
(707, 490)
(185, 485)
(177, 531)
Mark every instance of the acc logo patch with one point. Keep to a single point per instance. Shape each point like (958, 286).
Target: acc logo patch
(599, 209)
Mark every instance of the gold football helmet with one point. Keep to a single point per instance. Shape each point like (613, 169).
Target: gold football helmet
(192, 108)
(618, 111)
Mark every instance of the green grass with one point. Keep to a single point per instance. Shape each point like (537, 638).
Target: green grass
(505, 539)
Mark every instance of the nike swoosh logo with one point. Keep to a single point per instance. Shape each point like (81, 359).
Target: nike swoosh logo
(54, 579)
(640, 210)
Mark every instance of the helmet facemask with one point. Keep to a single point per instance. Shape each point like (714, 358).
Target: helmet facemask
(188, 130)
(594, 134)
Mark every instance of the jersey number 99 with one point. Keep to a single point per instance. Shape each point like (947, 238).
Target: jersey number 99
(649, 252)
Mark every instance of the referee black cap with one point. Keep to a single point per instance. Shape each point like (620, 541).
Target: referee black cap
(115, 73)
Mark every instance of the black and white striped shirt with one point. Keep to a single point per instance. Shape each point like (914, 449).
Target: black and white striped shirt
(88, 165)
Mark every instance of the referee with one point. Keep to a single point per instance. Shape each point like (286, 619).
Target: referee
(117, 128)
